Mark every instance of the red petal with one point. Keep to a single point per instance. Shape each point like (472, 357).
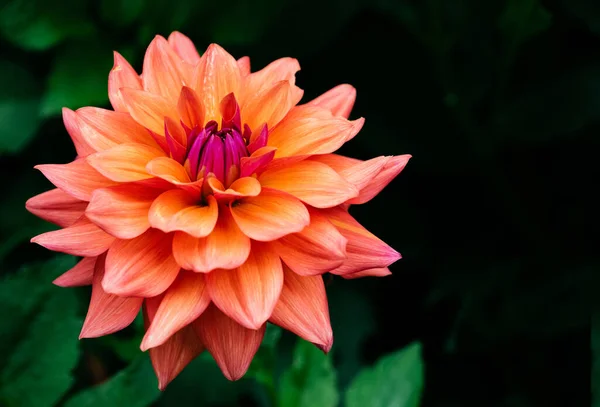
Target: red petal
(57, 207)
(81, 274)
(190, 108)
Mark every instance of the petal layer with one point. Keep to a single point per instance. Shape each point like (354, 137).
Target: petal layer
(393, 167)
(122, 75)
(125, 162)
(177, 210)
(81, 274)
(339, 100)
(57, 207)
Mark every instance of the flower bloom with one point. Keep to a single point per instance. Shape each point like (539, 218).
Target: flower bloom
(212, 201)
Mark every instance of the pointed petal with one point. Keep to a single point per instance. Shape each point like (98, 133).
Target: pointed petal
(184, 47)
(141, 267)
(149, 109)
(257, 161)
(57, 207)
(190, 108)
(83, 238)
(244, 64)
(184, 301)
(377, 272)
(302, 309)
(240, 188)
(77, 178)
(226, 247)
(364, 249)
(122, 75)
(283, 69)
(215, 77)
(338, 100)
(248, 294)
(125, 162)
(81, 274)
(269, 106)
(178, 210)
(231, 345)
(122, 210)
(318, 248)
(393, 166)
(170, 358)
(358, 173)
(312, 130)
(107, 313)
(72, 125)
(168, 169)
(312, 182)
(269, 216)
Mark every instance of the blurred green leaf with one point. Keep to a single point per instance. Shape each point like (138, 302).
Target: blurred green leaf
(38, 370)
(79, 77)
(523, 19)
(310, 380)
(120, 12)
(134, 386)
(395, 380)
(38, 25)
(19, 107)
(128, 348)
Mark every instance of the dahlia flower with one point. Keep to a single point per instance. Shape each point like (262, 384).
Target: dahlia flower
(212, 201)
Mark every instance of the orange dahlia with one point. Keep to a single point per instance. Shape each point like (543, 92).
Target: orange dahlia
(212, 201)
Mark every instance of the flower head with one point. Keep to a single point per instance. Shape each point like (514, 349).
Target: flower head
(212, 201)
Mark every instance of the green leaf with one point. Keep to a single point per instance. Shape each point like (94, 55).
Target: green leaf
(395, 380)
(38, 370)
(121, 13)
(19, 105)
(310, 380)
(78, 78)
(134, 386)
(523, 19)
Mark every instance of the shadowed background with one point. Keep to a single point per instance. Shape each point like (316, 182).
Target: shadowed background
(497, 101)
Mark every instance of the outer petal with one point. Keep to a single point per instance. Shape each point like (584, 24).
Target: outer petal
(170, 358)
(377, 272)
(318, 248)
(216, 76)
(184, 301)
(312, 130)
(283, 69)
(57, 207)
(248, 294)
(122, 210)
(302, 308)
(125, 162)
(270, 216)
(72, 125)
(122, 75)
(244, 65)
(184, 47)
(270, 106)
(338, 100)
(364, 249)
(393, 167)
(81, 274)
(312, 182)
(107, 313)
(148, 109)
(206, 254)
(141, 267)
(178, 210)
(78, 178)
(231, 345)
(83, 238)
(358, 173)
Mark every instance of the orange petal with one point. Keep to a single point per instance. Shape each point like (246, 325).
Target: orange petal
(103, 129)
(181, 305)
(169, 359)
(226, 247)
(78, 178)
(125, 162)
(270, 216)
(302, 309)
(231, 345)
(72, 125)
(190, 108)
(184, 47)
(81, 274)
(83, 238)
(122, 210)
(169, 170)
(122, 75)
(338, 100)
(358, 173)
(149, 109)
(141, 267)
(248, 294)
(312, 130)
(318, 248)
(283, 69)
(178, 210)
(216, 76)
(269, 106)
(240, 188)
(312, 182)
(57, 207)
(393, 166)
(377, 272)
(244, 64)
(364, 249)
(107, 313)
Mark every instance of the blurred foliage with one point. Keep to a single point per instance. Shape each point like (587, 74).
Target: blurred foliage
(498, 102)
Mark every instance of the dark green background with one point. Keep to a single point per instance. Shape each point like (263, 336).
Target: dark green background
(497, 101)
